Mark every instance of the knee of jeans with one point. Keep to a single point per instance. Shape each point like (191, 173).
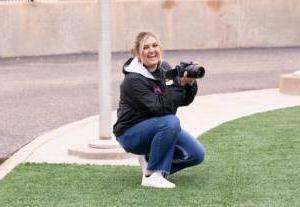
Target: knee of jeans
(198, 157)
(173, 123)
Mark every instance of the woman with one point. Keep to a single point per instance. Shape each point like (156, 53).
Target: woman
(147, 124)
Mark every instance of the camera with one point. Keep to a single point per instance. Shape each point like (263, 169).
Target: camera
(193, 71)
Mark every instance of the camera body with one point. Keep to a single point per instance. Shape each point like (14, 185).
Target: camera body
(193, 71)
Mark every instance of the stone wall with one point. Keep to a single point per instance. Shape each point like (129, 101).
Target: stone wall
(63, 26)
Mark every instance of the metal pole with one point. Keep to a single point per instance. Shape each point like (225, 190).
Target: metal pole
(107, 146)
(104, 62)
(105, 140)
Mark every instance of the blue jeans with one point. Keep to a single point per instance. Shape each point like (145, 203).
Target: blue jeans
(166, 146)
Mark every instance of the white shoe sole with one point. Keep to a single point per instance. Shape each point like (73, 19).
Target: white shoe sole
(156, 180)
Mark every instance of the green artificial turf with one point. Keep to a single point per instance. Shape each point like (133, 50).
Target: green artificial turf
(252, 161)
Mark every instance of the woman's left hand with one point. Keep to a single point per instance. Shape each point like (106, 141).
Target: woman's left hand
(186, 80)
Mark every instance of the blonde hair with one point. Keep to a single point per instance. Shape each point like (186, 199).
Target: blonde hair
(139, 44)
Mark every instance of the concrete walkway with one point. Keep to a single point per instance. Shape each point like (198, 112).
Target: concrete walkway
(203, 114)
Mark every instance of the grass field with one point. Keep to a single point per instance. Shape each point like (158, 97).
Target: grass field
(253, 161)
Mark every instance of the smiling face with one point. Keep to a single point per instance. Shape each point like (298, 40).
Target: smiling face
(150, 53)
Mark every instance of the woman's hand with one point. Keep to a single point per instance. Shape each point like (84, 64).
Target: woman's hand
(185, 80)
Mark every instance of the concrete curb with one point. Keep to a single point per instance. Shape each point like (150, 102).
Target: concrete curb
(290, 83)
(22, 154)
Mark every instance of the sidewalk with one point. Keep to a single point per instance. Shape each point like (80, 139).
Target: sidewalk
(203, 114)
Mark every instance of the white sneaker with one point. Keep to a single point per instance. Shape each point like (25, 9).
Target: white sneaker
(156, 180)
(143, 162)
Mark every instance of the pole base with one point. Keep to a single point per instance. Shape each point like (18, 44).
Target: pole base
(108, 149)
(104, 144)
(104, 154)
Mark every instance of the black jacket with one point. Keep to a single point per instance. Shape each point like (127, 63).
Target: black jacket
(143, 97)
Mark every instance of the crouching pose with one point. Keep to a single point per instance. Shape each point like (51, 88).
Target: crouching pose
(147, 124)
